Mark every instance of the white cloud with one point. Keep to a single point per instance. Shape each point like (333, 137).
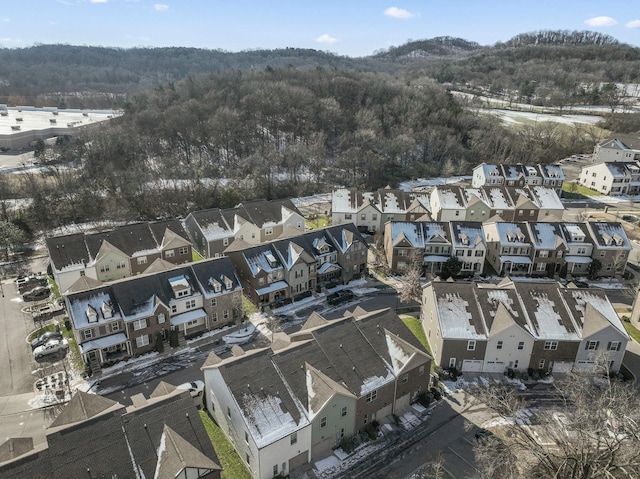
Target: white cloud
(6, 20)
(160, 7)
(326, 38)
(98, 1)
(601, 22)
(633, 24)
(395, 12)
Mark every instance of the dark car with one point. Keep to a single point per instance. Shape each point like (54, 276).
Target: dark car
(340, 296)
(36, 294)
(45, 337)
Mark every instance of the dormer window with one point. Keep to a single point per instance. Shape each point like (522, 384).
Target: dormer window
(228, 284)
(271, 259)
(464, 239)
(92, 314)
(180, 286)
(107, 310)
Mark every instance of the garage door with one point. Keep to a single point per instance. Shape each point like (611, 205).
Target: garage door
(298, 461)
(471, 366)
(494, 367)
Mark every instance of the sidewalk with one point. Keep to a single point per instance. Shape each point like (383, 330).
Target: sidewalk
(19, 419)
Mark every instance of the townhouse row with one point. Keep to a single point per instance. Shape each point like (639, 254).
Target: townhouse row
(371, 211)
(549, 176)
(521, 326)
(291, 404)
(510, 248)
(130, 249)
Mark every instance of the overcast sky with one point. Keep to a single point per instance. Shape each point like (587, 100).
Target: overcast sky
(347, 27)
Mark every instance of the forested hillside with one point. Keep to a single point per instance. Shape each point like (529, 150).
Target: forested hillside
(206, 128)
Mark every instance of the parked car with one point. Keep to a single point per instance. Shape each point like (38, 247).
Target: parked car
(27, 283)
(36, 294)
(195, 388)
(45, 337)
(483, 435)
(340, 296)
(51, 347)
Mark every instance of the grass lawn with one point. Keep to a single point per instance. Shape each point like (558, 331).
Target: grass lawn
(319, 222)
(232, 466)
(195, 256)
(415, 326)
(53, 286)
(249, 307)
(633, 332)
(574, 188)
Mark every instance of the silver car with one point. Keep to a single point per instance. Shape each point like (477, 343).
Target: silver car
(51, 347)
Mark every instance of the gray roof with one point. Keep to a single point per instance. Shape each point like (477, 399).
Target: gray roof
(68, 250)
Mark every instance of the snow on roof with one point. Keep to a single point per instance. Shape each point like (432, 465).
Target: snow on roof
(490, 170)
(455, 318)
(78, 310)
(553, 171)
(610, 235)
(576, 234)
(578, 259)
(510, 234)
(448, 199)
(141, 310)
(550, 323)
(341, 201)
(389, 203)
(617, 171)
(179, 282)
(511, 172)
(104, 342)
(267, 420)
(399, 355)
(325, 267)
(188, 316)
(547, 198)
(545, 235)
(260, 261)
(433, 229)
(465, 235)
(515, 259)
(501, 295)
(498, 199)
(411, 231)
(278, 285)
(600, 304)
(213, 231)
(374, 382)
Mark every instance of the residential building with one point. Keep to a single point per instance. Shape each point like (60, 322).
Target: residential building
(286, 406)
(577, 258)
(522, 326)
(549, 176)
(428, 242)
(277, 273)
(549, 248)
(611, 246)
(96, 437)
(612, 178)
(448, 203)
(469, 246)
(618, 148)
(256, 222)
(129, 317)
(119, 253)
(509, 248)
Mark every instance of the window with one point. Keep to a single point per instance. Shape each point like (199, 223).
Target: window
(214, 317)
(142, 340)
(372, 395)
(347, 217)
(214, 302)
(363, 217)
(88, 333)
(343, 412)
(170, 253)
(275, 469)
(121, 265)
(403, 252)
(104, 268)
(268, 231)
(247, 457)
(228, 412)
(366, 418)
(174, 308)
(323, 421)
(543, 254)
(139, 324)
(550, 345)
(405, 378)
(499, 345)
(190, 304)
(592, 345)
(246, 437)
(541, 364)
(225, 314)
(374, 217)
(115, 327)
(613, 346)
(294, 438)
(225, 241)
(515, 364)
(421, 370)
(479, 253)
(541, 266)
(142, 260)
(521, 345)
(471, 345)
(183, 250)
(161, 318)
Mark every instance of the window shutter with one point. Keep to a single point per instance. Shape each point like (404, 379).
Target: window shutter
(619, 344)
(597, 345)
(609, 346)
(586, 346)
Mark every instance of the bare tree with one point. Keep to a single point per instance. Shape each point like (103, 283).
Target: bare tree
(591, 431)
(411, 287)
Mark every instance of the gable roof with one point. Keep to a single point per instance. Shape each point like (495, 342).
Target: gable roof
(176, 455)
(67, 252)
(84, 406)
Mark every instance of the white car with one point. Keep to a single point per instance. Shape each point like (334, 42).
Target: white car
(51, 347)
(195, 388)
